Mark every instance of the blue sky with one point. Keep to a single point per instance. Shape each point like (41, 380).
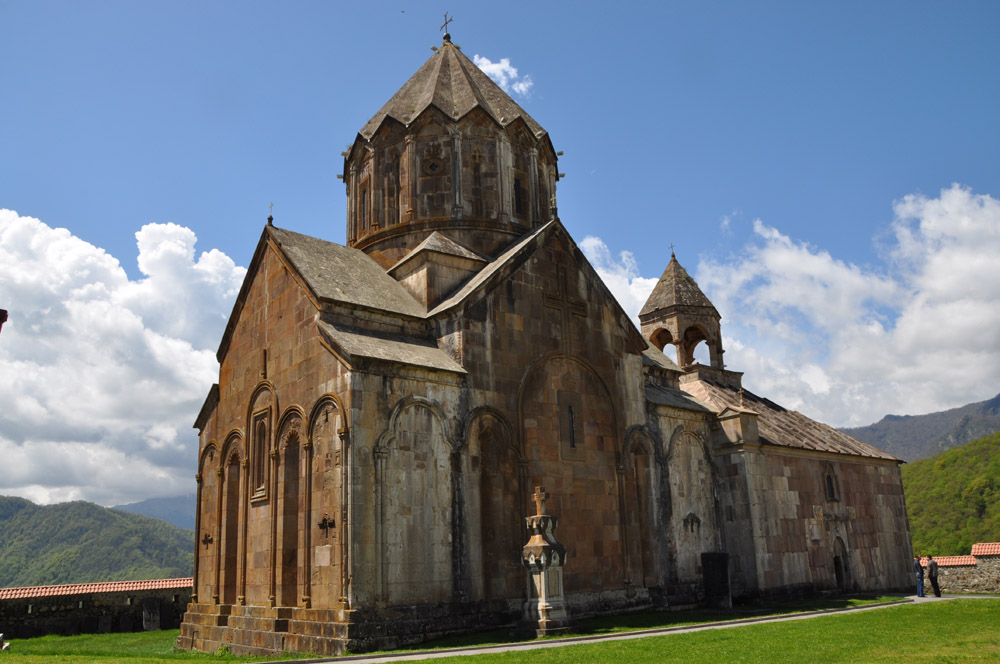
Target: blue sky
(802, 157)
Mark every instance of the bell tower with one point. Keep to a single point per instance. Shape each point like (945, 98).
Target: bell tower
(678, 313)
(449, 152)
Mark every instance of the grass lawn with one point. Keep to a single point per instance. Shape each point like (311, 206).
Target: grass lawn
(947, 632)
(964, 630)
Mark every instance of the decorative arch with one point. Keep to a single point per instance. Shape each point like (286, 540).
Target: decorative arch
(388, 436)
(569, 435)
(641, 482)
(496, 473)
(230, 516)
(285, 515)
(589, 370)
(414, 503)
(326, 462)
(206, 520)
(693, 515)
(261, 411)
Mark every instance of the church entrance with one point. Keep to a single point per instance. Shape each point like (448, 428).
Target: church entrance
(840, 566)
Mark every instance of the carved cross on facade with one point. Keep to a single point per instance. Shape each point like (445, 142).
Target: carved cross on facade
(566, 305)
(540, 496)
(326, 525)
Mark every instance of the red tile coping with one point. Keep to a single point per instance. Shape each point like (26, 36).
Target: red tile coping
(986, 549)
(88, 588)
(951, 561)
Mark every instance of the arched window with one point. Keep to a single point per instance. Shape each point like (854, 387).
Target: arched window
(259, 455)
(831, 483)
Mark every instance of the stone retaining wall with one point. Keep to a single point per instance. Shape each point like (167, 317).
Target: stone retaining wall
(969, 574)
(93, 612)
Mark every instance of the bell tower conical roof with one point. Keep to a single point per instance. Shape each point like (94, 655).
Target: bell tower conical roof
(450, 152)
(675, 288)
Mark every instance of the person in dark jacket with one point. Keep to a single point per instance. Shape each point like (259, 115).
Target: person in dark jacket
(918, 571)
(932, 574)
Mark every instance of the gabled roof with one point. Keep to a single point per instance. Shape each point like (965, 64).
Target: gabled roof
(439, 244)
(455, 85)
(341, 274)
(782, 427)
(508, 258)
(89, 588)
(666, 396)
(513, 257)
(355, 346)
(675, 287)
(332, 273)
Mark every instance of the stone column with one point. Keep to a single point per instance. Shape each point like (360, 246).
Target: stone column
(545, 610)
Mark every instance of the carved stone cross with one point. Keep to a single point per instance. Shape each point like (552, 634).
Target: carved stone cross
(540, 497)
(566, 305)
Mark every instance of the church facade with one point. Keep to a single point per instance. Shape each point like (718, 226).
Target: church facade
(385, 410)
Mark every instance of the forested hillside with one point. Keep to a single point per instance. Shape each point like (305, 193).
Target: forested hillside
(81, 542)
(953, 499)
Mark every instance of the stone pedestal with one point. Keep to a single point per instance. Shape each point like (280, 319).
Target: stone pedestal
(545, 611)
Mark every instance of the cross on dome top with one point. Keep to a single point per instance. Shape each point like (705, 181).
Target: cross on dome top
(444, 26)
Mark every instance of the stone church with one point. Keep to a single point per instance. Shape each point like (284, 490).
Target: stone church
(385, 410)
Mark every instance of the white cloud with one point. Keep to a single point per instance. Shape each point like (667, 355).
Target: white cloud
(849, 344)
(103, 376)
(621, 275)
(505, 75)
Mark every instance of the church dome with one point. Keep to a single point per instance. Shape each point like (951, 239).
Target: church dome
(449, 152)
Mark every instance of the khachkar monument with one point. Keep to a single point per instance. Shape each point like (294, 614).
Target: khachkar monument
(385, 407)
(545, 612)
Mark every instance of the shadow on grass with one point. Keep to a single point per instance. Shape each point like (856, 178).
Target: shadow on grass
(658, 619)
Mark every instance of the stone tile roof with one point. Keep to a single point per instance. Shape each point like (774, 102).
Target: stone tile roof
(455, 85)
(951, 561)
(783, 427)
(986, 549)
(341, 274)
(654, 357)
(666, 396)
(675, 287)
(357, 345)
(91, 588)
(441, 244)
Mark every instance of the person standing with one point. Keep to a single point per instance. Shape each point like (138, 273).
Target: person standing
(918, 571)
(932, 574)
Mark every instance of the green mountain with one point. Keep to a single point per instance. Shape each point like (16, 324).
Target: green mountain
(953, 499)
(178, 510)
(82, 542)
(912, 437)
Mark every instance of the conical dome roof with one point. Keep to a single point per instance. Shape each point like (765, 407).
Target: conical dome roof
(676, 288)
(455, 85)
